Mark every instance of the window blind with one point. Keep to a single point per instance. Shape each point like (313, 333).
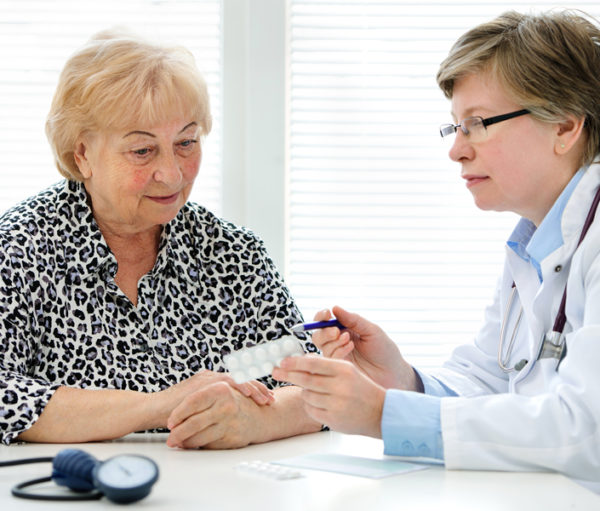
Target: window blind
(37, 37)
(379, 220)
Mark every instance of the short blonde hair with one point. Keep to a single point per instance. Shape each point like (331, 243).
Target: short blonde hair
(549, 63)
(116, 81)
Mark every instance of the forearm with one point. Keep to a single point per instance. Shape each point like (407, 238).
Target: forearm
(284, 417)
(81, 415)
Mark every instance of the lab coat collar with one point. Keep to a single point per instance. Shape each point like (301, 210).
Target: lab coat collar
(548, 236)
(559, 231)
(577, 207)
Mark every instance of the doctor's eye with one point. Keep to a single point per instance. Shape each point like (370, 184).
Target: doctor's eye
(472, 124)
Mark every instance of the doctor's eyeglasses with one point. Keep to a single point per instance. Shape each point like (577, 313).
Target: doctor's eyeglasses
(475, 128)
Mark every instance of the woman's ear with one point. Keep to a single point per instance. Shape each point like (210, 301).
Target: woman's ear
(568, 132)
(80, 154)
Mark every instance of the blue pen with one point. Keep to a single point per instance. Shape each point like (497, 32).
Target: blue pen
(303, 327)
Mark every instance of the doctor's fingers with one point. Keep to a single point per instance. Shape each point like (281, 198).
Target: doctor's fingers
(340, 414)
(336, 403)
(314, 382)
(356, 323)
(340, 348)
(313, 364)
(315, 373)
(330, 340)
(323, 315)
(347, 415)
(323, 337)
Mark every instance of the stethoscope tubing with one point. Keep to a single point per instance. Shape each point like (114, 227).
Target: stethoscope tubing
(561, 317)
(502, 362)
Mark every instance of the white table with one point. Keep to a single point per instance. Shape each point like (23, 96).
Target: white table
(208, 481)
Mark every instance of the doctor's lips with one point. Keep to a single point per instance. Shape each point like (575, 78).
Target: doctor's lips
(473, 179)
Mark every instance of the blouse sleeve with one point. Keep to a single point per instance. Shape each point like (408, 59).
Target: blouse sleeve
(22, 397)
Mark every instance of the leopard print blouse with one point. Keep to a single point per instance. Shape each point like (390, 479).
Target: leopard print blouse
(64, 321)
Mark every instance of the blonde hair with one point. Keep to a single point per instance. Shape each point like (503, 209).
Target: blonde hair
(116, 81)
(549, 63)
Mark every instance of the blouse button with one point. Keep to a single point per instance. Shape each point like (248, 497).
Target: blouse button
(558, 268)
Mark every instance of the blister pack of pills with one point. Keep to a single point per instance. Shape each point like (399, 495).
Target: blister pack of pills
(263, 468)
(258, 361)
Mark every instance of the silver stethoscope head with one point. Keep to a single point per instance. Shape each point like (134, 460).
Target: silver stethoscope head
(503, 358)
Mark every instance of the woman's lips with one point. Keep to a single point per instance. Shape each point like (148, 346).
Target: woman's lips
(164, 199)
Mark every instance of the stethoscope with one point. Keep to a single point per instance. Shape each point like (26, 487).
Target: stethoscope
(553, 345)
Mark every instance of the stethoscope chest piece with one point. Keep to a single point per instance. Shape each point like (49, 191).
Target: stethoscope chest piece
(553, 346)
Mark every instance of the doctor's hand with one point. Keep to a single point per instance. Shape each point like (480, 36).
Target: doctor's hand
(336, 393)
(368, 347)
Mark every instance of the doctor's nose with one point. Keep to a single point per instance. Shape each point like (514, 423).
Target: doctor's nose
(461, 148)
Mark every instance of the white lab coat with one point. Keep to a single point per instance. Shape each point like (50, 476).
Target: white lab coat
(538, 418)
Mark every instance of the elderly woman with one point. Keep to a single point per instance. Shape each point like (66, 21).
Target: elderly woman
(118, 297)
(526, 394)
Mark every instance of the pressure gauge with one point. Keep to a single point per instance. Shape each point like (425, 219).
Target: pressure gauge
(126, 477)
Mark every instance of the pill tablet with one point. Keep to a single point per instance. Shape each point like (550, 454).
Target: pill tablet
(258, 361)
(266, 469)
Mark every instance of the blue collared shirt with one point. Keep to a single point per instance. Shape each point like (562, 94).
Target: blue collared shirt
(411, 422)
(533, 245)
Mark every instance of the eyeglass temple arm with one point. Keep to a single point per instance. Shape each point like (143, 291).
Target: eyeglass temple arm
(504, 117)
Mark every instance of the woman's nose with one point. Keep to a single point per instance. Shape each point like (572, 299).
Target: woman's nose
(168, 171)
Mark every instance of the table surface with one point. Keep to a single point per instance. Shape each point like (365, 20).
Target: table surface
(208, 480)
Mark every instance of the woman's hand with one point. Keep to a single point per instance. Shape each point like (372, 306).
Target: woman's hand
(165, 401)
(367, 346)
(255, 390)
(217, 416)
(336, 393)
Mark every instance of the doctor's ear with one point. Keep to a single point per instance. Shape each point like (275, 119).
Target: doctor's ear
(568, 132)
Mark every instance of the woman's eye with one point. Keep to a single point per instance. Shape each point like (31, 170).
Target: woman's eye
(142, 152)
(186, 144)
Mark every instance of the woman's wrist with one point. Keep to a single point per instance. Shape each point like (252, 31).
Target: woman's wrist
(156, 408)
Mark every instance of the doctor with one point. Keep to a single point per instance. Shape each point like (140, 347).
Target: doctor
(524, 396)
